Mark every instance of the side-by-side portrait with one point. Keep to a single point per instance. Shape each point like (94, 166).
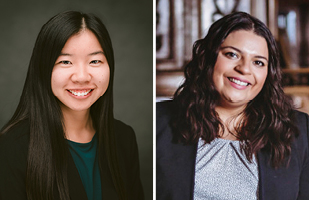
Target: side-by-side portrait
(154, 100)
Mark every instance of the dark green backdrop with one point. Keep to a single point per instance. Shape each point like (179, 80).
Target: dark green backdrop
(130, 26)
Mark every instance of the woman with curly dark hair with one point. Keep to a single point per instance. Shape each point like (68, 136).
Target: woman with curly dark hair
(230, 132)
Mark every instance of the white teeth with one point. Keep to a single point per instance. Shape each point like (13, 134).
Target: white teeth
(238, 82)
(80, 93)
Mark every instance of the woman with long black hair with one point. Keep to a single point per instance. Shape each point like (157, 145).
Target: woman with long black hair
(230, 132)
(63, 141)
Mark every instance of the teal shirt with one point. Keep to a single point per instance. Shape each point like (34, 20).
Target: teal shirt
(87, 164)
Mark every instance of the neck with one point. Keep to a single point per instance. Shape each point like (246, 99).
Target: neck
(78, 125)
(231, 118)
(226, 113)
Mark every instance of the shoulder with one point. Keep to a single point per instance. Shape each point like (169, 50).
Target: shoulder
(165, 134)
(302, 123)
(126, 145)
(13, 155)
(301, 153)
(125, 136)
(301, 142)
(302, 120)
(128, 158)
(125, 141)
(16, 138)
(164, 112)
(165, 108)
(123, 131)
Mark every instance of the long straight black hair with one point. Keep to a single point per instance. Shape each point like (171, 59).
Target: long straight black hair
(48, 151)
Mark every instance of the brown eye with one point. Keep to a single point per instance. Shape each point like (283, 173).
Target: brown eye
(95, 62)
(65, 62)
(231, 55)
(259, 63)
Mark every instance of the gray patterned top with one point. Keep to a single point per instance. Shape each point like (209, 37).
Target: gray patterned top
(222, 172)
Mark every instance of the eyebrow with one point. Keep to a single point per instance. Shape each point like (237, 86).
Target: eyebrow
(65, 54)
(91, 54)
(96, 53)
(238, 50)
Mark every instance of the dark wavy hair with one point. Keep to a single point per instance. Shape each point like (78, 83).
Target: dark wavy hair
(267, 119)
(48, 150)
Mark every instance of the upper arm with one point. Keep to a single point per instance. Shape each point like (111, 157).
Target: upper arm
(12, 171)
(304, 178)
(129, 160)
(136, 187)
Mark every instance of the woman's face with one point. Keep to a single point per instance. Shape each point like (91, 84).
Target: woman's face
(241, 68)
(81, 73)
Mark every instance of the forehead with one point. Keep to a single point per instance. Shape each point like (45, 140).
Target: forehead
(85, 40)
(247, 41)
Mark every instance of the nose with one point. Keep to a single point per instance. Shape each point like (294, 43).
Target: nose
(243, 66)
(81, 74)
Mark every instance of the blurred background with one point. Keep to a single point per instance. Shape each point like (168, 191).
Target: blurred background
(131, 29)
(179, 23)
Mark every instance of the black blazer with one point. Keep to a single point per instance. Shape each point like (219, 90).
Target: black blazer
(13, 162)
(176, 164)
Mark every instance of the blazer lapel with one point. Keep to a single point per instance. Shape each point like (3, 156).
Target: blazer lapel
(262, 160)
(175, 169)
(108, 188)
(280, 183)
(270, 179)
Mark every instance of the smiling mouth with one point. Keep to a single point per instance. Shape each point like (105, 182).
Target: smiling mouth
(80, 93)
(238, 82)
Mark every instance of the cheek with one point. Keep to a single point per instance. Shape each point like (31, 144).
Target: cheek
(222, 65)
(261, 77)
(57, 81)
(103, 79)
(219, 70)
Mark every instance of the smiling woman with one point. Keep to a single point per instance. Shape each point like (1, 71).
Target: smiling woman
(230, 132)
(63, 141)
(81, 72)
(241, 67)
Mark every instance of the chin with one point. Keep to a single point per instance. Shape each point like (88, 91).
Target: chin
(233, 102)
(77, 108)
(81, 109)
(238, 103)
